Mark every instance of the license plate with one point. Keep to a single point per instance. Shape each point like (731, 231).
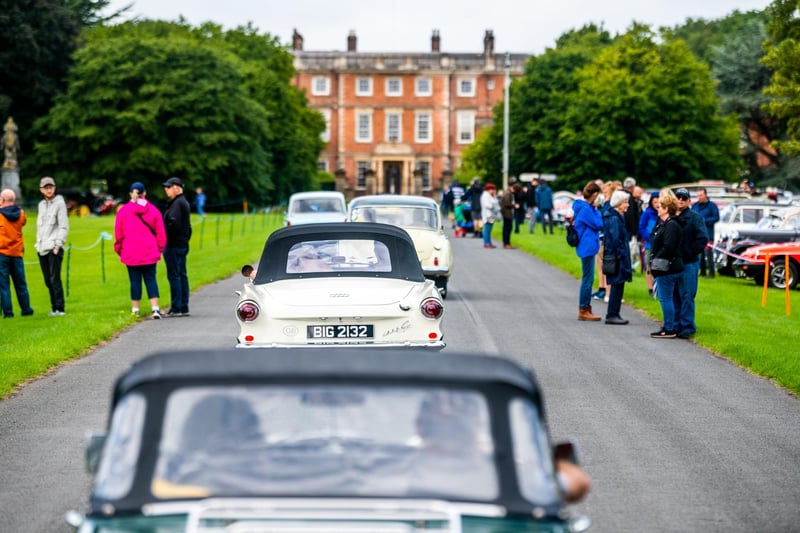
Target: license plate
(341, 331)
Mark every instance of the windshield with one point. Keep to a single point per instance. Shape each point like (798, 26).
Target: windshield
(400, 216)
(326, 440)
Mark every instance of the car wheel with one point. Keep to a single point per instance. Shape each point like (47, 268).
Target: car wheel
(441, 284)
(780, 275)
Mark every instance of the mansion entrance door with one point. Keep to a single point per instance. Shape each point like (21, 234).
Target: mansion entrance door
(392, 177)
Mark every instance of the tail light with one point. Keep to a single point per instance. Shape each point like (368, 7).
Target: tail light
(436, 261)
(247, 311)
(431, 308)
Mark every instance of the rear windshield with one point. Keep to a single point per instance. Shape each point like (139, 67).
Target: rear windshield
(316, 205)
(400, 216)
(346, 255)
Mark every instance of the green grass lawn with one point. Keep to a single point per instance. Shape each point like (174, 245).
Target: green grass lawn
(98, 297)
(730, 317)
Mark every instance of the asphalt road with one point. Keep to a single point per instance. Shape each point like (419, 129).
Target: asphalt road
(674, 437)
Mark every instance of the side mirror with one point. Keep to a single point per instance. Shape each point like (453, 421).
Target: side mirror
(94, 449)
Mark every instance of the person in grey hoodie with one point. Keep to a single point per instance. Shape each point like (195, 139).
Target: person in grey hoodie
(52, 228)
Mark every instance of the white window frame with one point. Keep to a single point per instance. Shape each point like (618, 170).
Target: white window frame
(389, 82)
(399, 126)
(465, 127)
(366, 115)
(417, 121)
(426, 174)
(368, 90)
(420, 92)
(460, 88)
(490, 84)
(326, 114)
(323, 164)
(320, 86)
(361, 176)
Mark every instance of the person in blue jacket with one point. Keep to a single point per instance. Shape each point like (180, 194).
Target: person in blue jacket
(615, 244)
(588, 223)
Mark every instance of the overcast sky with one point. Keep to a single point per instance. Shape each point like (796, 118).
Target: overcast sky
(522, 26)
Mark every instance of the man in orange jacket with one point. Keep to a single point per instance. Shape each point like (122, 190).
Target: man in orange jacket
(12, 218)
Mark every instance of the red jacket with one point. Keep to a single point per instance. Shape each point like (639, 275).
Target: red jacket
(139, 233)
(12, 218)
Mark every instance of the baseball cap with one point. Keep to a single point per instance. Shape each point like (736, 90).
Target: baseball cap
(682, 193)
(173, 181)
(138, 186)
(47, 181)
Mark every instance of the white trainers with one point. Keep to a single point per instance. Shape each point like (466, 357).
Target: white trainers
(156, 314)
(56, 313)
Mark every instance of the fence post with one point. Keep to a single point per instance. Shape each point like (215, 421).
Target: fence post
(766, 281)
(202, 230)
(69, 256)
(218, 223)
(786, 271)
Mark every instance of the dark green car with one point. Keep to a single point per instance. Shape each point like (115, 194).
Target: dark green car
(335, 440)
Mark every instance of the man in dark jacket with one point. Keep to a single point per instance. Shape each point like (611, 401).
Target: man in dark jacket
(177, 222)
(710, 213)
(693, 243)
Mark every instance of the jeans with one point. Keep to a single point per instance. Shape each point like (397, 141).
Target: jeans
(51, 271)
(587, 280)
(13, 268)
(684, 298)
(175, 258)
(666, 296)
(146, 272)
(487, 232)
(547, 220)
(615, 300)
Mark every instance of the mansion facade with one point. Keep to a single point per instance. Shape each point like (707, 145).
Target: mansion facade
(398, 122)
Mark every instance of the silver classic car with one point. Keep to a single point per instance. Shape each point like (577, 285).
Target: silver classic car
(355, 441)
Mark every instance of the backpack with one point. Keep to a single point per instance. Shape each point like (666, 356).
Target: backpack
(572, 236)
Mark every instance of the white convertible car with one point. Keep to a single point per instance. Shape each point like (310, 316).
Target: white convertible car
(421, 218)
(315, 207)
(339, 283)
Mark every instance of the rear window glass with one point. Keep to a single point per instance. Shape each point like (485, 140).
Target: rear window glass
(400, 216)
(346, 255)
(316, 205)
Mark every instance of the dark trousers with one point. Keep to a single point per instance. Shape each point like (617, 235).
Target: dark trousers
(51, 271)
(615, 300)
(175, 259)
(147, 273)
(508, 225)
(707, 262)
(519, 218)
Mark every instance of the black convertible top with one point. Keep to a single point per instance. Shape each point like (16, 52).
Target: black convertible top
(405, 263)
(298, 364)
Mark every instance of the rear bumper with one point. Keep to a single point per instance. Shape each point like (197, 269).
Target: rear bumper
(437, 345)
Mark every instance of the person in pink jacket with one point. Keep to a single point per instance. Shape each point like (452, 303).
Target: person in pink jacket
(140, 240)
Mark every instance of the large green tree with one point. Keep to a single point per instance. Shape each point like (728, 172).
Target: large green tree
(151, 99)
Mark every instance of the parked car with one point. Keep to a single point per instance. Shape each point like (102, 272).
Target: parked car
(315, 207)
(781, 225)
(421, 218)
(339, 283)
(562, 206)
(752, 263)
(290, 441)
(741, 215)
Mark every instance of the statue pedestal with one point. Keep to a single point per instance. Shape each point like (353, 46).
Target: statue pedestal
(11, 181)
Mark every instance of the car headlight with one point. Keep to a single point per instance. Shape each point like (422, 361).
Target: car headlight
(247, 311)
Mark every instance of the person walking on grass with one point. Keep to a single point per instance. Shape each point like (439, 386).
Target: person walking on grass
(12, 248)
(52, 228)
(588, 223)
(139, 240)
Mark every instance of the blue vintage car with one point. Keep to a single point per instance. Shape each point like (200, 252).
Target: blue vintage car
(344, 440)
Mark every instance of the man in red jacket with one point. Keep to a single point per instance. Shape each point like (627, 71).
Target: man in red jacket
(12, 219)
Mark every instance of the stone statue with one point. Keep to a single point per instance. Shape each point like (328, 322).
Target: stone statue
(10, 144)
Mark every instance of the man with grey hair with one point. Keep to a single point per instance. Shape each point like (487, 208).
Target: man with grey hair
(12, 219)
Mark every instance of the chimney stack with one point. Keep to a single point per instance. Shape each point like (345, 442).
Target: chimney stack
(435, 41)
(351, 41)
(488, 43)
(297, 41)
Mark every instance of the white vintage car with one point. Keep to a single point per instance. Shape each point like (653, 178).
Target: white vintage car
(315, 207)
(421, 218)
(339, 283)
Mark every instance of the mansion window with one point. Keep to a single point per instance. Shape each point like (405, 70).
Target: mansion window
(361, 174)
(394, 127)
(466, 127)
(320, 86)
(363, 127)
(424, 168)
(326, 114)
(363, 86)
(466, 87)
(394, 87)
(423, 128)
(424, 87)
(322, 164)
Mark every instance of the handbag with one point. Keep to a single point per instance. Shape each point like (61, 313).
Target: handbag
(610, 265)
(659, 264)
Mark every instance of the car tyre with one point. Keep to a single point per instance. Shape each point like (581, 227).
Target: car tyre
(780, 275)
(441, 284)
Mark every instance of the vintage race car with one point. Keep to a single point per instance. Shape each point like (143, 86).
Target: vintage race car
(421, 218)
(327, 284)
(356, 441)
(315, 207)
(781, 271)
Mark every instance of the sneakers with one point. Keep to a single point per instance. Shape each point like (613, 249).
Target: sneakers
(56, 313)
(135, 313)
(685, 334)
(599, 294)
(663, 334)
(156, 314)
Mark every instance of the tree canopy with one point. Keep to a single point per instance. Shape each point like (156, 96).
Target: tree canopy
(783, 58)
(151, 99)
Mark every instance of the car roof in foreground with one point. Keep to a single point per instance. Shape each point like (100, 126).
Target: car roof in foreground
(393, 200)
(335, 364)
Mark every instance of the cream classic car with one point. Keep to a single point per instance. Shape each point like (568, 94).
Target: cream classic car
(421, 218)
(339, 283)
